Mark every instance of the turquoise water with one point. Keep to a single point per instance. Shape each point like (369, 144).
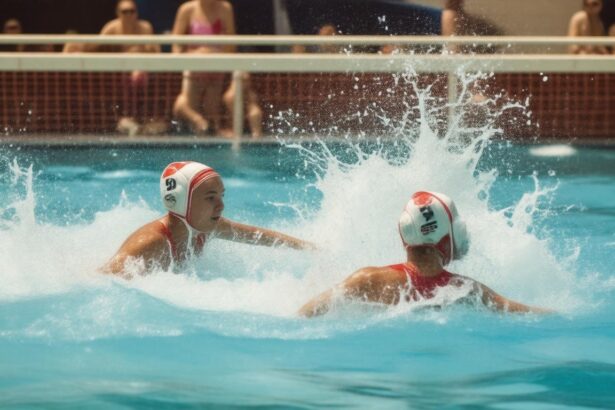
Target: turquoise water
(224, 333)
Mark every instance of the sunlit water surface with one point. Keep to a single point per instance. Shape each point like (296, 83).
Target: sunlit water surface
(225, 331)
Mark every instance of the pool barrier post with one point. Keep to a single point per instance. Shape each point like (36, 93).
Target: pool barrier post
(238, 108)
(453, 84)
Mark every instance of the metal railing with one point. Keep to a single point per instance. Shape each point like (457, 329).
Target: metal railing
(237, 63)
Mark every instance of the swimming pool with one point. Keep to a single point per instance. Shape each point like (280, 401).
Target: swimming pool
(225, 332)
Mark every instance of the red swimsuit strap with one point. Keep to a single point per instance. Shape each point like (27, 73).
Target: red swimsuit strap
(200, 243)
(198, 248)
(164, 229)
(421, 283)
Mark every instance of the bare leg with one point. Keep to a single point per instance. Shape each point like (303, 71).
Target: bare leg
(186, 103)
(228, 99)
(211, 102)
(255, 115)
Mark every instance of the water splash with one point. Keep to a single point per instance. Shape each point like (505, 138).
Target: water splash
(362, 186)
(38, 259)
(364, 190)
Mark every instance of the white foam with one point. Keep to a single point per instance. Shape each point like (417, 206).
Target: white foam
(556, 150)
(355, 226)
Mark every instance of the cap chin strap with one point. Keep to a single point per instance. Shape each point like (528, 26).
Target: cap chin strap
(191, 229)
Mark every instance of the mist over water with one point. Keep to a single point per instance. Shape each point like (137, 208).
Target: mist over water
(241, 290)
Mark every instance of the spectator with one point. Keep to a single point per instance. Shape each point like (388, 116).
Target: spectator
(587, 22)
(325, 30)
(128, 23)
(455, 21)
(12, 27)
(202, 90)
(390, 49)
(254, 113)
(72, 47)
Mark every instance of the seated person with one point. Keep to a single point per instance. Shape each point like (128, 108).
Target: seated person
(585, 23)
(193, 195)
(433, 234)
(456, 21)
(72, 47)
(325, 30)
(127, 23)
(12, 27)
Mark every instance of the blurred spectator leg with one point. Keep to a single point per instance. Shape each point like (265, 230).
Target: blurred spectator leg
(254, 114)
(211, 101)
(186, 103)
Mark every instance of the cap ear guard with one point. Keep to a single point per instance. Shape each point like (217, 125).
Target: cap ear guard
(407, 228)
(461, 240)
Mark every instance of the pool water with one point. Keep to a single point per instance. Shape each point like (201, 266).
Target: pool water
(225, 332)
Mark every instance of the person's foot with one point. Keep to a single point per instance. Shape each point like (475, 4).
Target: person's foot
(128, 125)
(155, 127)
(201, 127)
(226, 133)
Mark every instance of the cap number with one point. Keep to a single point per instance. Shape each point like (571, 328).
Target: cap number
(171, 184)
(427, 212)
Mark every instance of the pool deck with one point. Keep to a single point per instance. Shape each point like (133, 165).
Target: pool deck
(120, 141)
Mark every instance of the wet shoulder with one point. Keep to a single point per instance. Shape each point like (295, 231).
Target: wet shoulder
(149, 237)
(384, 273)
(112, 27)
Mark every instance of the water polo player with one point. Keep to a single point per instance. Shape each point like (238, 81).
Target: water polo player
(433, 234)
(193, 194)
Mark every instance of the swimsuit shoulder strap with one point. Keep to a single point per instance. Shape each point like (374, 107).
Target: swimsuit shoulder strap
(404, 270)
(400, 267)
(164, 229)
(200, 243)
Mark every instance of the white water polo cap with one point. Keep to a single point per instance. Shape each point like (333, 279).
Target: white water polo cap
(431, 219)
(177, 183)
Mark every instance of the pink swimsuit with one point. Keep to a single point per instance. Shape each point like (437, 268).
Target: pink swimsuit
(200, 28)
(206, 29)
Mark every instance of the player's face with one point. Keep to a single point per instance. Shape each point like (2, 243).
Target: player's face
(207, 204)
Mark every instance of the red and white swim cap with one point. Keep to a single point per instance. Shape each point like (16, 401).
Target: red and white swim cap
(431, 219)
(177, 183)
